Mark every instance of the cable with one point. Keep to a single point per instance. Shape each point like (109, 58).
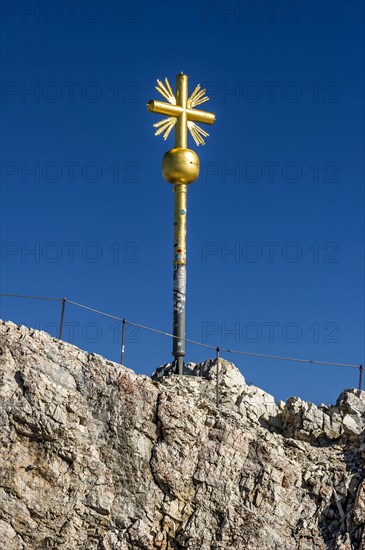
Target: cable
(94, 310)
(144, 327)
(290, 358)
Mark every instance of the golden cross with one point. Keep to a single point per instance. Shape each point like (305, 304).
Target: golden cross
(180, 111)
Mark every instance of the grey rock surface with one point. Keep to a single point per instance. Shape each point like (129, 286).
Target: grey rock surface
(94, 456)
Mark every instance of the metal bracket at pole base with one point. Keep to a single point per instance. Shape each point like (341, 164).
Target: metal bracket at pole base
(180, 368)
(179, 365)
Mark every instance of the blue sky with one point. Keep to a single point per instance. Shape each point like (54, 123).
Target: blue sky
(275, 220)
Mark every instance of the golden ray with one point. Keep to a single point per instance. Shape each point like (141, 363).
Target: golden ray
(170, 89)
(196, 90)
(197, 133)
(166, 91)
(197, 98)
(165, 125)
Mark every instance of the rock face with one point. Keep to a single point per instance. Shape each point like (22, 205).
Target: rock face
(94, 456)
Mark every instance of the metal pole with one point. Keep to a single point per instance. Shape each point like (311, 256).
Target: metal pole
(180, 166)
(179, 284)
(361, 368)
(217, 386)
(62, 318)
(123, 342)
(180, 196)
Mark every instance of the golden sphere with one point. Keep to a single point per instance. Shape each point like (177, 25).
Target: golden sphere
(180, 165)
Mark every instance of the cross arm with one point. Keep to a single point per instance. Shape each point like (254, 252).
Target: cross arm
(163, 108)
(175, 111)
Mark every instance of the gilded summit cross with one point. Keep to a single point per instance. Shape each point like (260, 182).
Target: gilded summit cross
(180, 166)
(180, 111)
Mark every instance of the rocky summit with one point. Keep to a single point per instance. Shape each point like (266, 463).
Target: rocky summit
(94, 456)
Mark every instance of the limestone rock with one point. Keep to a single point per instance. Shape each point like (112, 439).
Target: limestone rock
(94, 456)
